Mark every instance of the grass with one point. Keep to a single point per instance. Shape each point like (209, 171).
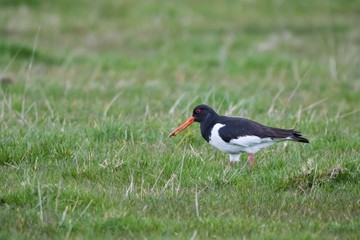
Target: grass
(90, 93)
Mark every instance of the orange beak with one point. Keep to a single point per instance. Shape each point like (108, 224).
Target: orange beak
(182, 126)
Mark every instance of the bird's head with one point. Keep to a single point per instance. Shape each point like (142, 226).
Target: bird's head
(200, 114)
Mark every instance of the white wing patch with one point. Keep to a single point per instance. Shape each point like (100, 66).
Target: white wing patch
(246, 141)
(252, 144)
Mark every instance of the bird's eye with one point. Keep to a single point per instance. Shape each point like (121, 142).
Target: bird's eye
(197, 110)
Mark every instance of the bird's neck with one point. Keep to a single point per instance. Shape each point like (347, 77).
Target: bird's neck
(207, 125)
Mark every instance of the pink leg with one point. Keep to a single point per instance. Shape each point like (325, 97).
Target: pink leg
(251, 160)
(231, 163)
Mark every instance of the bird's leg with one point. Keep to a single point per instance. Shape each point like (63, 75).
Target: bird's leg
(251, 160)
(234, 158)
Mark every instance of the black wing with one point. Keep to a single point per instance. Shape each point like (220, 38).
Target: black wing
(237, 127)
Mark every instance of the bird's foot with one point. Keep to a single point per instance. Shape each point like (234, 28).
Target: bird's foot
(231, 163)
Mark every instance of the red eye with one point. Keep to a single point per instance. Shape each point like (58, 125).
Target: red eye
(197, 110)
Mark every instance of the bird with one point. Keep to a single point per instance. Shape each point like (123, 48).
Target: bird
(234, 135)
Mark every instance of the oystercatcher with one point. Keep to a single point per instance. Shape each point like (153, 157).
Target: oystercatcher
(236, 135)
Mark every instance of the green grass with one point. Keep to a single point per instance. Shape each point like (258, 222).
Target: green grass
(90, 91)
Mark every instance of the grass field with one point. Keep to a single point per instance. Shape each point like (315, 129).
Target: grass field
(89, 92)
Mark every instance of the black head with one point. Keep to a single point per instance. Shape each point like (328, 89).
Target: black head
(203, 112)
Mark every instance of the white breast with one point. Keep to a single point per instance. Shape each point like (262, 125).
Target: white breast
(217, 142)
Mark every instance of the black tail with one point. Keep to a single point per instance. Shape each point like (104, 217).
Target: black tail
(296, 136)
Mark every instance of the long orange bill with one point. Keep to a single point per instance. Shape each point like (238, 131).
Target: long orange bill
(182, 127)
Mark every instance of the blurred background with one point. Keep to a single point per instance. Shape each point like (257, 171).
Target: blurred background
(226, 53)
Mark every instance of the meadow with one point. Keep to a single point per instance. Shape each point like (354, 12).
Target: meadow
(90, 90)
